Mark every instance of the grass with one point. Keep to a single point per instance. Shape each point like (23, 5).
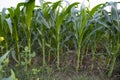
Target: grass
(48, 73)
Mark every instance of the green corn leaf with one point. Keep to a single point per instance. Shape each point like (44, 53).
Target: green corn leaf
(64, 13)
(11, 12)
(3, 16)
(46, 4)
(29, 12)
(83, 21)
(43, 20)
(70, 7)
(17, 10)
(6, 24)
(9, 22)
(55, 5)
(94, 9)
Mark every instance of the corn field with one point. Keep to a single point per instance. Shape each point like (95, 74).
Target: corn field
(52, 38)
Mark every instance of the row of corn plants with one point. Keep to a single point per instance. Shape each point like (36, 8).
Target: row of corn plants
(54, 29)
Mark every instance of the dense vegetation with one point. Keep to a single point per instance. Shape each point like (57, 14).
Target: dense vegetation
(39, 42)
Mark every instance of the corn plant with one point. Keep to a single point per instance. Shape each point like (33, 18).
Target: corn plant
(14, 17)
(112, 34)
(60, 15)
(5, 27)
(109, 24)
(42, 23)
(93, 31)
(80, 25)
(29, 7)
(86, 31)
